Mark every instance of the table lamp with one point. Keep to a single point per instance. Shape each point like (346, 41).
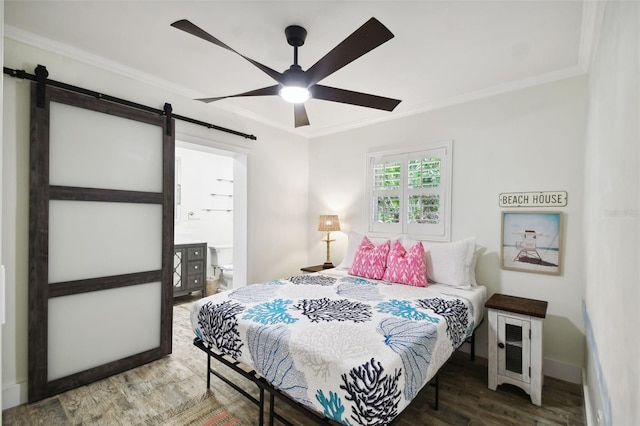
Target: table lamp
(328, 223)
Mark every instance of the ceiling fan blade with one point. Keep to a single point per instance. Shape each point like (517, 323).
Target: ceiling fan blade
(300, 115)
(265, 91)
(363, 40)
(354, 98)
(193, 29)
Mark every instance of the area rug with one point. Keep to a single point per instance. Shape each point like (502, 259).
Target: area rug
(204, 411)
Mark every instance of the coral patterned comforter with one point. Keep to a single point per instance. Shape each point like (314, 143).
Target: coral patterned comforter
(354, 349)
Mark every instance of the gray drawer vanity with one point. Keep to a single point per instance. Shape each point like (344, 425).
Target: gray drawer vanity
(189, 269)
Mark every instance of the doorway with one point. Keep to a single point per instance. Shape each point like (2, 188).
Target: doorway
(211, 206)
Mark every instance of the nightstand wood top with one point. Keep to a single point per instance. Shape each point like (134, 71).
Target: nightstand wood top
(519, 305)
(316, 268)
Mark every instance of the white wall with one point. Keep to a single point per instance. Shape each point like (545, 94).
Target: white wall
(15, 225)
(612, 221)
(277, 186)
(528, 140)
(199, 174)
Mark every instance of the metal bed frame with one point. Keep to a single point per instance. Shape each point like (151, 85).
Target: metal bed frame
(263, 385)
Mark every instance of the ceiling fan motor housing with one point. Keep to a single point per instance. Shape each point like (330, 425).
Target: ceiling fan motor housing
(294, 76)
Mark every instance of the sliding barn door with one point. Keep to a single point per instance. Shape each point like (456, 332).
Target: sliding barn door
(101, 238)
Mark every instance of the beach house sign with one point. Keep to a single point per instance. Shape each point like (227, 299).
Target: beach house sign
(533, 199)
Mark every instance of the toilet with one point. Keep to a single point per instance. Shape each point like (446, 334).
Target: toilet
(221, 257)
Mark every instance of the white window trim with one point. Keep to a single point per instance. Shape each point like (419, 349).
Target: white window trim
(446, 175)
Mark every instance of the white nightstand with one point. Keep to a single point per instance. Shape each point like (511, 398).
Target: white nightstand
(515, 343)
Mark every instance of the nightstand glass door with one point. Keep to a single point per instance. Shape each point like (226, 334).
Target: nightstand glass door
(513, 348)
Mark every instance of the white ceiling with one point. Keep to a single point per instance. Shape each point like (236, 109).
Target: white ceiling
(443, 52)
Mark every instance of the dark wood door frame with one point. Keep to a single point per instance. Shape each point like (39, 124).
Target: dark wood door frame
(41, 193)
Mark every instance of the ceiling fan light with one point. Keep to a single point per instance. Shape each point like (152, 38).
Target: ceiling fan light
(295, 94)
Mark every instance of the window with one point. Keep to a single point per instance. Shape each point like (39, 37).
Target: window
(410, 192)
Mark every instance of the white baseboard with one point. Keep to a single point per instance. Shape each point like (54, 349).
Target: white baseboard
(559, 370)
(14, 395)
(556, 369)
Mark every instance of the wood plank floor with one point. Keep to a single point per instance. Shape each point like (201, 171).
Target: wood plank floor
(131, 397)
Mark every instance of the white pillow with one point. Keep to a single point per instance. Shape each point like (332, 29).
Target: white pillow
(476, 255)
(354, 240)
(450, 263)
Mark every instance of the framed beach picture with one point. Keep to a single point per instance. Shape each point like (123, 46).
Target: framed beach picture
(532, 242)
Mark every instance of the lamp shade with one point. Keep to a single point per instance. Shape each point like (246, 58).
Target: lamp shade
(329, 222)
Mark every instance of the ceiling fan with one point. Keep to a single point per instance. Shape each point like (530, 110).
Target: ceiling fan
(296, 85)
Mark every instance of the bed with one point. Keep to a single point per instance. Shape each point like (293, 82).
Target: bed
(352, 350)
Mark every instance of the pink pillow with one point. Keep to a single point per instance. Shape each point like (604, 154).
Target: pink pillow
(370, 261)
(407, 267)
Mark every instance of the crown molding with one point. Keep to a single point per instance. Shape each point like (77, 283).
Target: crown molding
(93, 60)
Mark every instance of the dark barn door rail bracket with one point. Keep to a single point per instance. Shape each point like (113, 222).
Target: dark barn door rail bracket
(42, 80)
